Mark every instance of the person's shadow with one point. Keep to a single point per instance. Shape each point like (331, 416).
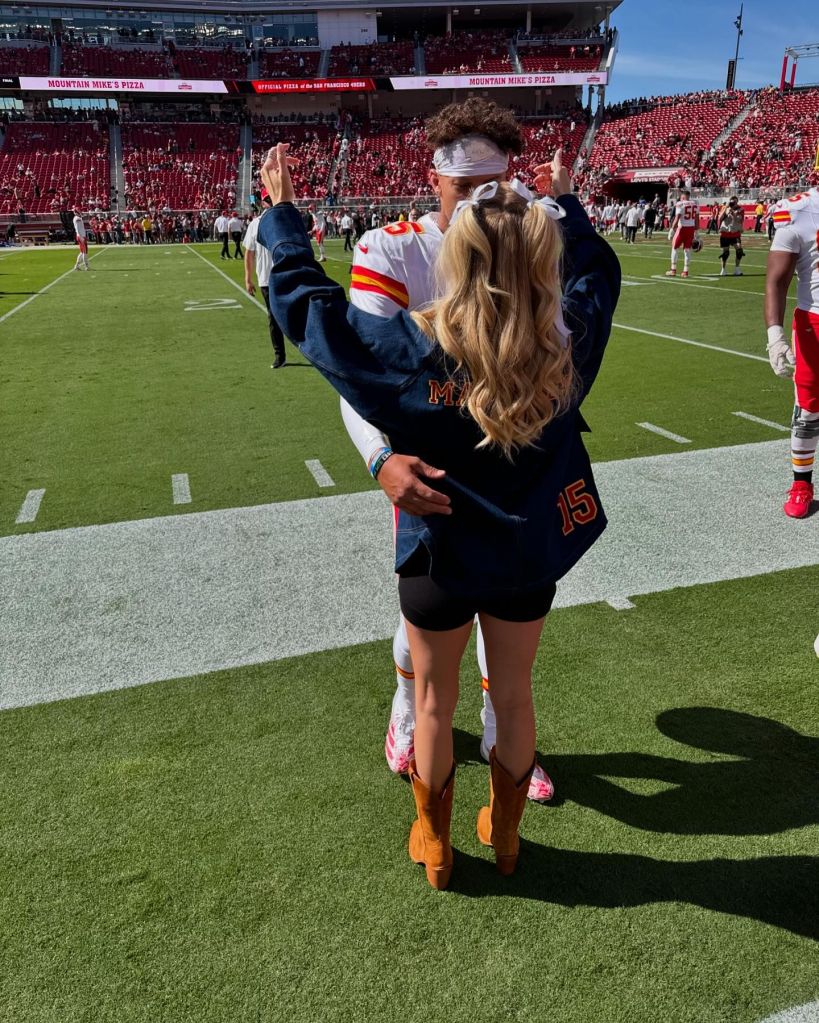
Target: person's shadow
(770, 784)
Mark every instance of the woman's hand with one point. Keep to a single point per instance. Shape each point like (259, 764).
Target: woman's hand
(553, 178)
(276, 174)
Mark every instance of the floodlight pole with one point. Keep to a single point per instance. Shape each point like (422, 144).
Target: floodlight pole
(738, 27)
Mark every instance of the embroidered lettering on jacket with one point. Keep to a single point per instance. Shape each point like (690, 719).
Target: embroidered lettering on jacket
(449, 392)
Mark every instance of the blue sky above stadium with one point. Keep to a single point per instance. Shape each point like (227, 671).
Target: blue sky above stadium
(669, 47)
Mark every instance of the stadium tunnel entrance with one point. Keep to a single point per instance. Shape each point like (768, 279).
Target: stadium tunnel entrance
(635, 190)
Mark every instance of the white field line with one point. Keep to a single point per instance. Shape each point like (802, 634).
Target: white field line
(181, 488)
(43, 290)
(319, 473)
(763, 422)
(664, 433)
(230, 280)
(30, 507)
(170, 615)
(620, 603)
(688, 341)
(676, 283)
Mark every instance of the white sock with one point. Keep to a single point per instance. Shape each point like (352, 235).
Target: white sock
(401, 654)
(674, 258)
(686, 258)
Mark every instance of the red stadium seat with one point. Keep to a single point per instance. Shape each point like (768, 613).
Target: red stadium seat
(467, 52)
(24, 59)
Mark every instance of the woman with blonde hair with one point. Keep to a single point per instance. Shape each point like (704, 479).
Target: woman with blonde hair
(485, 383)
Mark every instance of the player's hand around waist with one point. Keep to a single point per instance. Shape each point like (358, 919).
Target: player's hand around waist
(400, 479)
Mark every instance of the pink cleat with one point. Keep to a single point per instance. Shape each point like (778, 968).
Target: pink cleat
(541, 787)
(799, 499)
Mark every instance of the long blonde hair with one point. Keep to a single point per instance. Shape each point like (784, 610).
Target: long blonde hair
(499, 269)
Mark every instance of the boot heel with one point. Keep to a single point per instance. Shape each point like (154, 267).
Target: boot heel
(439, 877)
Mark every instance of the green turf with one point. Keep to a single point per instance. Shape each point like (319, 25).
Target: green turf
(108, 386)
(232, 847)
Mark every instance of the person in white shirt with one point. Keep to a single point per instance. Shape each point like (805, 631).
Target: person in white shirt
(221, 228)
(82, 242)
(258, 257)
(347, 231)
(319, 231)
(632, 223)
(235, 228)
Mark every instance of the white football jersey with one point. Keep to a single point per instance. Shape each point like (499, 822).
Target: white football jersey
(689, 213)
(394, 266)
(79, 227)
(797, 231)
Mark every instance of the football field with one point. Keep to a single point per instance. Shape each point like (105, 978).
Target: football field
(196, 605)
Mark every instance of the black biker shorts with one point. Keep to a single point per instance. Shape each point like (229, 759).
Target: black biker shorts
(426, 605)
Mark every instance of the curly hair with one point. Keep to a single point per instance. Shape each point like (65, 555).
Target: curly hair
(475, 117)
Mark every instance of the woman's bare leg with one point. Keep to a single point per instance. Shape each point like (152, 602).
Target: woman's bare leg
(436, 659)
(510, 653)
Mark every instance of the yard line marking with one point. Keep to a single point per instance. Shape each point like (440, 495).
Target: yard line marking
(30, 507)
(763, 422)
(664, 433)
(230, 280)
(43, 290)
(181, 487)
(319, 473)
(620, 603)
(688, 341)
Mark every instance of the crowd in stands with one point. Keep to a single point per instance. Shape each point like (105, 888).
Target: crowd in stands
(208, 61)
(24, 59)
(466, 52)
(47, 167)
(577, 58)
(315, 146)
(288, 63)
(372, 59)
(386, 157)
(667, 131)
(180, 166)
(114, 61)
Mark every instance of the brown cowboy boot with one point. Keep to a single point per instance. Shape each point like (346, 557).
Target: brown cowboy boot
(429, 837)
(498, 822)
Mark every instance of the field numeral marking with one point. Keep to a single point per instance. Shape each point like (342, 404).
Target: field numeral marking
(197, 305)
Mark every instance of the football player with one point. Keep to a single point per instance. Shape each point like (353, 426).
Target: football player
(394, 268)
(82, 242)
(795, 248)
(682, 232)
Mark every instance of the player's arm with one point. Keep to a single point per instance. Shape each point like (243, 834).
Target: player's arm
(781, 267)
(398, 475)
(250, 265)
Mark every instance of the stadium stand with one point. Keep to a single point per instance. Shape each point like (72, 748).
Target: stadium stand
(314, 145)
(287, 63)
(209, 62)
(776, 144)
(115, 61)
(24, 59)
(180, 166)
(560, 58)
(47, 167)
(666, 131)
(374, 59)
(387, 157)
(463, 52)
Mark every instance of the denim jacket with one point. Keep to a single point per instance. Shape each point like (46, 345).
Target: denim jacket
(515, 525)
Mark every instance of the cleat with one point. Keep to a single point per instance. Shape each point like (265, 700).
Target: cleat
(671, 273)
(541, 786)
(684, 273)
(399, 746)
(737, 272)
(799, 500)
(723, 272)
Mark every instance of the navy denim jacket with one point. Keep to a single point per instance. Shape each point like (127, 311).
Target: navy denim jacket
(514, 525)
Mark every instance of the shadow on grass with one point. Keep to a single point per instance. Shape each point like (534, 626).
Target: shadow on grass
(769, 784)
(776, 890)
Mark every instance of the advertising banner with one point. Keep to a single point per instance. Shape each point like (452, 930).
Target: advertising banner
(285, 85)
(480, 80)
(65, 83)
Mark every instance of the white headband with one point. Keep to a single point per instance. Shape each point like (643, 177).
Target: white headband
(554, 211)
(469, 157)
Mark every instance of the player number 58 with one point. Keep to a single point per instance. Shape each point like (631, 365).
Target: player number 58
(577, 506)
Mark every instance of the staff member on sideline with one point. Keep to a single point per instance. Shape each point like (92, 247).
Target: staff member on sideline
(257, 255)
(486, 383)
(235, 227)
(220, 227)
